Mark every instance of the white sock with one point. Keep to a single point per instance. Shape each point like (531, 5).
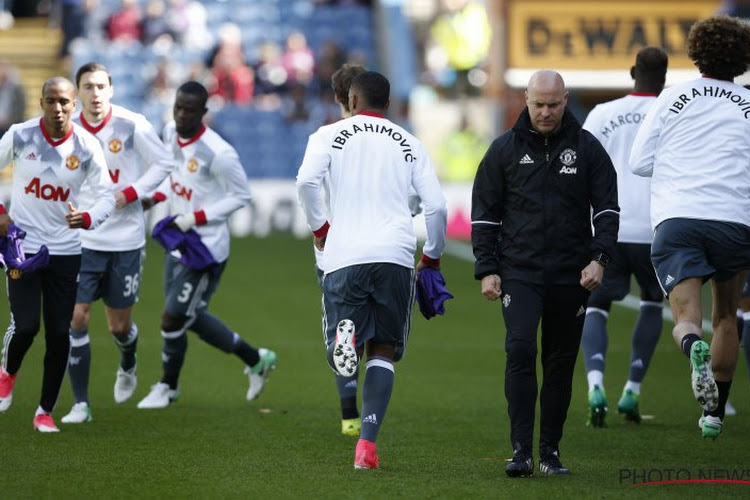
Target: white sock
(633, 386)
(595, 377)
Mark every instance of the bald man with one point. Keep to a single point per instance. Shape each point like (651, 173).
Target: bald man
(537, 192)
(53, 158)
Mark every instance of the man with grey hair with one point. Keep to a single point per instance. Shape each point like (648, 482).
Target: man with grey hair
(537, 192)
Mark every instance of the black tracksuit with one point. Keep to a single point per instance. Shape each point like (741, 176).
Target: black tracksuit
(533, 203)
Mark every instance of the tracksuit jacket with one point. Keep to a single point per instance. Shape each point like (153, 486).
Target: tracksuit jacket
(534, 201)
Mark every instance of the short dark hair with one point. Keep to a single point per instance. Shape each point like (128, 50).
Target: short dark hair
(651, 59)
(719, 47)
(195, 89)
(374, 88)
(90, 67)
(341, 80)
(54, 81)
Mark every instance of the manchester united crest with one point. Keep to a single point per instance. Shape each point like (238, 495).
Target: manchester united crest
(192, 165)
(115, 145)
(72, 162)
(568, 157)
(14, 274)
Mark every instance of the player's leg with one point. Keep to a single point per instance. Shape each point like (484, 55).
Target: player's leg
(120, 293)
(522, 305)
(745, 308)
(59, 284)
(562, 327)
(646, 331)
(391, 289)
(25, 297)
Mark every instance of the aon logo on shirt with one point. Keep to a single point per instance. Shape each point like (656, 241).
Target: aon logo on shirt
(568, 170)
(47, 191)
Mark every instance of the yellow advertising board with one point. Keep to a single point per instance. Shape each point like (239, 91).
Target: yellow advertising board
(599, 35)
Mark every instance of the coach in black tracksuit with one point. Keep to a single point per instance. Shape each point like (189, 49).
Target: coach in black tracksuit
(536, 193)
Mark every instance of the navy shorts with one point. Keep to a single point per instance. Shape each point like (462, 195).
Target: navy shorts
(188, 292)
(112, 276)
(694, 248)
(629, 259)
(377, 297)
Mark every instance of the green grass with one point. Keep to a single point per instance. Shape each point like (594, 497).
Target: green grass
(446, 432)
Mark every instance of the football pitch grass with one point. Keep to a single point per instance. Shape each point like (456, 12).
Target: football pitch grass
(445, 434)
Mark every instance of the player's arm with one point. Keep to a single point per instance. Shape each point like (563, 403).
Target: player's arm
(6, 160)
(605, 214)
(156, 157)
(100, 185)
(643, 151)
(427, 187)
(309, 182)
(486, 211)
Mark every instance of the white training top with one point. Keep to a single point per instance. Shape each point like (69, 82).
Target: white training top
(615, 124)
(695, 143)
(131, 147)
(47, 175)
(372, 163)
(209, 181)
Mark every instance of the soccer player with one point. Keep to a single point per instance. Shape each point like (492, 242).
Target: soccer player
(206, 187)
(695, 145)
(111, 256)
(53, 158)
(615, 124)
(538, 190)
(367, 241)
(346, 386)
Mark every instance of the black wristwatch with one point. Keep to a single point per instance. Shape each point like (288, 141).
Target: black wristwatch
(602, 258)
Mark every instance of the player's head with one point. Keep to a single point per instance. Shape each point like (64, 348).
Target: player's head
(341, 80)
(719, 47)
(94, 90)
(546, 99)
(370, 90)
(650, 69)
(189, 108)
(58, 102)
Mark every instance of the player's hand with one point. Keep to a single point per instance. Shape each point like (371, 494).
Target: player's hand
(320, 243)
(120, 200)
(5, 221)
(147, 203)
(185, 222)
(74, 217)
(591, 276)
(491, 287)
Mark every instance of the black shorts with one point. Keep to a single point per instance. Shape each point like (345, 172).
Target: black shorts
(629, 259)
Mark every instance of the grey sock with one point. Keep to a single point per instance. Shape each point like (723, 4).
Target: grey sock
(347, 389)
(212, 331)
(79, 364)
(127, 348)
(376, 393)
(594, 339)
(173, 356)
(645, 337)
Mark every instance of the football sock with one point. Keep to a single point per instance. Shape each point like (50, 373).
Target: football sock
(741, 322)
(595, 377)
(645, 337)
(376, 393)
(687, 342)
(746, 340)
(173, 356)
(127, 348)
(723, 396)
(633, 386)
(594, 339)
(246, 352)
(347, 388)
(212, 331)
(79, 364)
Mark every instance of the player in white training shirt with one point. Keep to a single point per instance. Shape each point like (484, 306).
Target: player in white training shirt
(695, 144)
(369, 242)
(207, 186)
(52, 158)
(111, 259)
(615, 124)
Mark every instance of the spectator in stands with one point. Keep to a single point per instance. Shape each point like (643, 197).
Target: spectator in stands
(125, 24)
(298, 59)
(155, 24)
(296, 106)
(12, 97)
(188, 22)
(74, 14)
(233, 80)
(270, 73)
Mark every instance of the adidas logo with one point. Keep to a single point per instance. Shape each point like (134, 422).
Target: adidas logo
(581, 310)
(31, 156)
(526, 160)
(370, 419)
(669, 279)
(598, 356)
(74, 360)
(638, 363)
(351, 384)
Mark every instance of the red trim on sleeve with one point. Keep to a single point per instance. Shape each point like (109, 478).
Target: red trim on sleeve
(322, 231)
(428, 261)
(130, 194)
(159, 197)
(371, 113)
(200, 218)
(2, 209)
(86, 220)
